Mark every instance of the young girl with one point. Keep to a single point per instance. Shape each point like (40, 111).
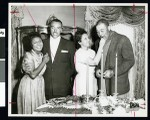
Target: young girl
(31, 92)
(84, 72)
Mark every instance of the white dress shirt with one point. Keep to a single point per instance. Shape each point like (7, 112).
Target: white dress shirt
(54, 46)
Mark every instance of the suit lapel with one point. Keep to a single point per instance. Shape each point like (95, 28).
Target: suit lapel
(49, 49)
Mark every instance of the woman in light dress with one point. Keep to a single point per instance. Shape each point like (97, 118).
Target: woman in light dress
(31, 92)
(84, 71)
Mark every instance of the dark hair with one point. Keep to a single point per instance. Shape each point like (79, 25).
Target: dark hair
(56, 20)
(33, 35)
(27, 40)
(49, 24)
(78, 36)
(104, 21)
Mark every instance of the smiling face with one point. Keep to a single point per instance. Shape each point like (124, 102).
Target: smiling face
(55, 29)
(85, 41)
(102, 30)
(37, 44)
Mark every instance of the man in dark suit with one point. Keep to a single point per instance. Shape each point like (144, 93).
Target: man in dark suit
(60, 68)
(112, 43)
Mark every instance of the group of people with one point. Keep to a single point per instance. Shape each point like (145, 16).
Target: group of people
(55, 68)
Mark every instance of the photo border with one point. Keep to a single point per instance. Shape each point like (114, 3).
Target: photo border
(76, 4)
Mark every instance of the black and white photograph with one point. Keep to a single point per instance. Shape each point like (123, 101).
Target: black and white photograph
(78, 59)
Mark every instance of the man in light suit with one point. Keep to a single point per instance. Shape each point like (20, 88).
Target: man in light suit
(60, 68)
(113, 43)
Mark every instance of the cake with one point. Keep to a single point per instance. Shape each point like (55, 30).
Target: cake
(66, 105)
(63, 110)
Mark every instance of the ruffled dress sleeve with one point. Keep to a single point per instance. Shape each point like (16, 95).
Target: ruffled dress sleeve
(28, 63)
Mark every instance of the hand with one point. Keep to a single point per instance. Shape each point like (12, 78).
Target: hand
(98, 73)
(102, 42)
(108, 74)
(45, 58)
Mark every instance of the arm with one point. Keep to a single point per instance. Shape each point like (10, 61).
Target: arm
(29, 67)
(93, 61)
(33, 74)
(128, 57)
(97, 58)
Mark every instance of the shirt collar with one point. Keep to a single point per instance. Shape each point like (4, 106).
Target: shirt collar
(57, 39)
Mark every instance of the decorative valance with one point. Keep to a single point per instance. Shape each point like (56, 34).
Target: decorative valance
(133, 15)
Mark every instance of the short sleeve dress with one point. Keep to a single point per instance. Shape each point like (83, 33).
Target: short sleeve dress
(79, 88)
(31, 92)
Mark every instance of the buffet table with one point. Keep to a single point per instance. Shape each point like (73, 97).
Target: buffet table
(75, 107)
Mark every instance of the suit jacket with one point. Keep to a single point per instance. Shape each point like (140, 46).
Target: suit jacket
(121, 45)
(58, 74)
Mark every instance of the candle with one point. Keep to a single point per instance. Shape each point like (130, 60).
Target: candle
(87, 80)
(102, 71)
(116, 63)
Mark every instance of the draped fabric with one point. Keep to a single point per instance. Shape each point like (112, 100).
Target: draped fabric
(133, 17)
(140, 61)
(16, 21)
(109, 13)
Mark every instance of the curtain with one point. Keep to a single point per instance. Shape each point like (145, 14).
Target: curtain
(133, 15)
(16, 21)
(131, 20)
(140, 61)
